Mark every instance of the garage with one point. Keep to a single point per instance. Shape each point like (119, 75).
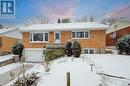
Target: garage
(34, 54)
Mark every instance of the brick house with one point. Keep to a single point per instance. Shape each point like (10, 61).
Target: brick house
(110, 37)
(8, 37)
(37, 38)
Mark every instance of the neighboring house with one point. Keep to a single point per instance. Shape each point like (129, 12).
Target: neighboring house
(37, 38)
(8, 37)
(111, 38)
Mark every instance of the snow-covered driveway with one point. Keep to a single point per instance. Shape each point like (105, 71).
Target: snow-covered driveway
(81, 74)
(5, 57)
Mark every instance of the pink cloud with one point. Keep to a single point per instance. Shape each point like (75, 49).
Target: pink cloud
(123, 11)
(61, 9)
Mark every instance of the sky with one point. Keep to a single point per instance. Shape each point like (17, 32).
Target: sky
(100, 9)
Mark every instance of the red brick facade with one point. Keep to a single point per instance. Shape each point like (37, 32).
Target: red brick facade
(110, 41)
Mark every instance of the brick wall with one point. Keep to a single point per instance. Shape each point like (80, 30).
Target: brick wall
(97, 39)
(7, 43)
(119, 33)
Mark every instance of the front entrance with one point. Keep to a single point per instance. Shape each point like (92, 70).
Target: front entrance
(57, 37)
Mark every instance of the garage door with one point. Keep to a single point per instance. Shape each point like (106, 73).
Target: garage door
(34, 55)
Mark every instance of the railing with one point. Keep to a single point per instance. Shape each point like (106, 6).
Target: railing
(55, 45)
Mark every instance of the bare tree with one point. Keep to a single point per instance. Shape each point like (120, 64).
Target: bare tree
(37, 20)
(85, 19)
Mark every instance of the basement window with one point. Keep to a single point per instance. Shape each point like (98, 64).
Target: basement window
(89, 51)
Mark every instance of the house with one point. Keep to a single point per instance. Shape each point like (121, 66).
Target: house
(8, 37)
(111, 38)
(37, 38)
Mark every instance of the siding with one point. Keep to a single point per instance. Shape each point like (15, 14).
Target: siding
(7, 43)
(97, 39)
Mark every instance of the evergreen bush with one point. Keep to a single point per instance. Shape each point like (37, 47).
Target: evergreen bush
(123, 45)
(53, 54)
(68, 48)
(17, 49)
(76, 49)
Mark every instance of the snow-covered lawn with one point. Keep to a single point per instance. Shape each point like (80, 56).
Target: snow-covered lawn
(80, 70)
(112, 64)
(80, 74)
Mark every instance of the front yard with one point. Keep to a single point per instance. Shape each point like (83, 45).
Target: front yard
(80, 71)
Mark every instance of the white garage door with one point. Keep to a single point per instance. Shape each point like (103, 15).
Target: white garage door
(34, 55)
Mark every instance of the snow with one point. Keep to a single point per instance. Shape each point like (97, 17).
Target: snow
(80, 71)
(81, 75)
(112, 63)
(5, 57)
(65, 27)
(9, 67)
(36, 68)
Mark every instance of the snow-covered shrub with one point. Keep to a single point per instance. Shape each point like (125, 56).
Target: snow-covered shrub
(30, 80)
(123, 45)
(52, 54)
(76, 49)
(68, 48)
(17, 49)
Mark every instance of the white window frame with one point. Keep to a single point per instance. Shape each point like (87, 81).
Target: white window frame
(80, 31)
(38, 41)
(59, 36)
(89, 50)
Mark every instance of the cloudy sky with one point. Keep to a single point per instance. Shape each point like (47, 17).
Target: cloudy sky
(100, 9)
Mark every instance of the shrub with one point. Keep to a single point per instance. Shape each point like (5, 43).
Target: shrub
(76, 49)
(29, 80)
(52, 54)
(123, 45)
(68, 48)
(17, 49)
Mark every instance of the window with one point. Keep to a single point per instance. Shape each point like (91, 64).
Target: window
(46, 36)
(88, 51)
(57, 36)
(73, 34)
(80, 34)
(39, 37)
(91, 51)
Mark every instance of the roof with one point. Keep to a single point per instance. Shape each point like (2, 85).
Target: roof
(65, 27)
(120, 25)
(2, 31)
(11, 32)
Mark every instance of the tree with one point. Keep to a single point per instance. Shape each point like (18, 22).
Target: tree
(37, 20)
(76, 49)
(17, 49)
(123, 45)
(85, 19)
(68, 48)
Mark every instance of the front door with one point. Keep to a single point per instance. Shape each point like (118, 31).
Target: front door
(57, 37)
